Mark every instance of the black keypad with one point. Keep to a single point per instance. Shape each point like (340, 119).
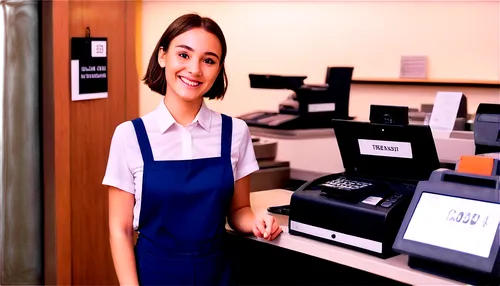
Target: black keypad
(345, 184)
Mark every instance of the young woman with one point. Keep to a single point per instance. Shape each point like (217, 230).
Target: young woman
(175, 174)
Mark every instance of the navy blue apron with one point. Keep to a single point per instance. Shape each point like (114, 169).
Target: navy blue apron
(183, 216)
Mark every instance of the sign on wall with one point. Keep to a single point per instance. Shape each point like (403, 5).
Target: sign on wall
(89, 68)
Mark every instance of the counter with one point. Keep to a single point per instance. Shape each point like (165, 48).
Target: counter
(394, 268)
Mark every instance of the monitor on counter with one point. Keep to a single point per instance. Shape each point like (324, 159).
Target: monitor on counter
(458, 224)
(453, 222)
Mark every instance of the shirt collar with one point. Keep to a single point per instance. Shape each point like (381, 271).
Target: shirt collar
(166, 120)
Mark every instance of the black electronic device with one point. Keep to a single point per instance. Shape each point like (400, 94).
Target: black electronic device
(383, 165)
(487, 128)
(388, 114)
(311, 106)
(451, 227)
(282, 210)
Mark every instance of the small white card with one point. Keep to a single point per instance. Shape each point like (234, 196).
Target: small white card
(372, 200)
(385, 148)
(99, 49)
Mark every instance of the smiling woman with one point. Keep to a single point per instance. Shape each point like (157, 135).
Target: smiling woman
(202, 39)
(192, 61)
(176, 173)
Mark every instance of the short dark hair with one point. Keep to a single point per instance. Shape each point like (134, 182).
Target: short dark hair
(155, 74)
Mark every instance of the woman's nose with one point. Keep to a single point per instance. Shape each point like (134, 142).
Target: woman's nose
(194, 67)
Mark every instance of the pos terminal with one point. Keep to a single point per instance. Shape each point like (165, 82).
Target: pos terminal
(451, 226)
(362, 208)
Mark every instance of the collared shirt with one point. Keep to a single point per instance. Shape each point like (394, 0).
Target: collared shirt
(172, 141)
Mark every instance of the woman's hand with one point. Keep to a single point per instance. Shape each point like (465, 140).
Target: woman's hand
(267, 227)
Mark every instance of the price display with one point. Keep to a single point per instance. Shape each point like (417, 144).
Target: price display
(458, 224)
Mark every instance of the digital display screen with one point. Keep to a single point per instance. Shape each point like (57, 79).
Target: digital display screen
(458, 224)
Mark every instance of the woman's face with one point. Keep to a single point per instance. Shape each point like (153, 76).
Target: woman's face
(192, 63)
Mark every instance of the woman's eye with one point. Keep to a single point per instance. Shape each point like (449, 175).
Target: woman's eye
(183, 55)
(210, 61)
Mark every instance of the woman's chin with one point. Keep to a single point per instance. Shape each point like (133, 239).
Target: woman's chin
(190, 96)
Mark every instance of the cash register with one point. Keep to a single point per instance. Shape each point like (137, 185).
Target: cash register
(451, 226)
(309, 106)
(362, 208)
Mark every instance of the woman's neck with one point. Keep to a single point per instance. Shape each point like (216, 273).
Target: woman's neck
(182, 111)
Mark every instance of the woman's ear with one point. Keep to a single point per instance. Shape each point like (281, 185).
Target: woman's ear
(161, 57)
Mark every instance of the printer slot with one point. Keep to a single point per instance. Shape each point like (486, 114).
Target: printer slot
(471, 181)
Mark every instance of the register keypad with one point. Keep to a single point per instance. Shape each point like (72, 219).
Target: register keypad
(345, 184)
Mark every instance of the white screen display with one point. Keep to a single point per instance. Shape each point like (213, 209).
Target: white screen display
(458, 224)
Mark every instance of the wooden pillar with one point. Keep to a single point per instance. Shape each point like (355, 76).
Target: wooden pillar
(76, 137)
(56, 142)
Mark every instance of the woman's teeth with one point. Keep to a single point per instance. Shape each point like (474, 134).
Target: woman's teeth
(189, 82)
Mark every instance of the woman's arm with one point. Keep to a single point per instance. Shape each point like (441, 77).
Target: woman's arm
(242, 218)
(121, 206)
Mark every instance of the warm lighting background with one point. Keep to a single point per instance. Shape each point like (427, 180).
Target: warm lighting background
(461, 40)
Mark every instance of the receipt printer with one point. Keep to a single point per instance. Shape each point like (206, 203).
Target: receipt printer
(366, 224)
(451, 226)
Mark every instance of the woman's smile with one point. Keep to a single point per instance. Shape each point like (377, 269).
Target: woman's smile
(189, 82)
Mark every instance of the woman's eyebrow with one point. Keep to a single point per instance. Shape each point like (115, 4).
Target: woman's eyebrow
(192, 50)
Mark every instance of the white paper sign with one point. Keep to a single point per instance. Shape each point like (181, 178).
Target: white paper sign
(385, 148)
(445, 110)
(89, 68)
(321, 107)
(458, 224)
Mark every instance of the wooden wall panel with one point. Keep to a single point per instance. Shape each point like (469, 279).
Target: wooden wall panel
(77, 137)
(92, 125)
(132, 62)
(56, 143)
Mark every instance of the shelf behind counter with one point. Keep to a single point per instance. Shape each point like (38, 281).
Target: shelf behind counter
(316, 150)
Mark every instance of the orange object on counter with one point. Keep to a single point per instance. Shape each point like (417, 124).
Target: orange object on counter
(478, 165)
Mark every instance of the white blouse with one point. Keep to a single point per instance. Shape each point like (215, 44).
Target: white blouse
(171, 141)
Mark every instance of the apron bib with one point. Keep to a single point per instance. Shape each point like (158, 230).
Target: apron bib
(183, 216)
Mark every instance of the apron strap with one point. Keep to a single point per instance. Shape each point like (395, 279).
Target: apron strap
(226, 136)
(142, 137)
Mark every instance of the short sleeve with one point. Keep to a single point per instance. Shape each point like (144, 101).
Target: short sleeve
(118, 173)
(247, 163)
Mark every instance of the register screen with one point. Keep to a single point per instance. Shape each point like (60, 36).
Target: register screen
(458, 224)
